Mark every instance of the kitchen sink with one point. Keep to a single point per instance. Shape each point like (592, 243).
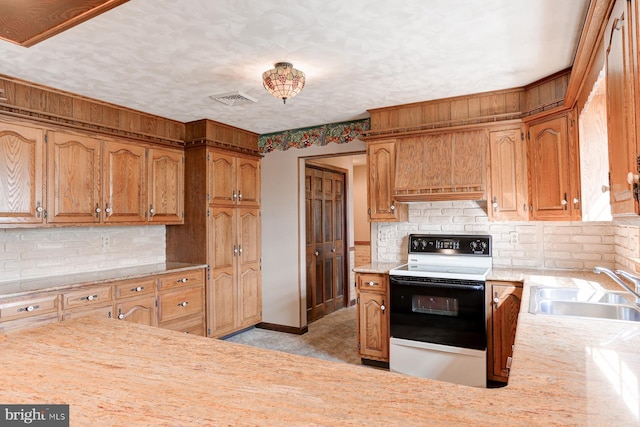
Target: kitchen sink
(589, 309)
(581, 295)
(583, 303)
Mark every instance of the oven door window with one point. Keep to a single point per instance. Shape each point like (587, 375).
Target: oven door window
(439, 315)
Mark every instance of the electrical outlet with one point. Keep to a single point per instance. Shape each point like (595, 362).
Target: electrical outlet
(513, 237)
(106, 242)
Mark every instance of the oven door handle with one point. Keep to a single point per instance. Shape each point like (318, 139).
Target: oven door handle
(437, 285)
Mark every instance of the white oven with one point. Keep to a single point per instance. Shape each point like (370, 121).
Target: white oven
(437, 309)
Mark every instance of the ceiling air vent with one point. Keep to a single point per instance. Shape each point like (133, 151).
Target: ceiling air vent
(234, 98)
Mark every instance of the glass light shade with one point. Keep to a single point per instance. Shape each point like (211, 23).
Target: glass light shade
(283, 81)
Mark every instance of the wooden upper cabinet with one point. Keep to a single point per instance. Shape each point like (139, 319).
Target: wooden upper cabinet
(554, 169)
(125, 183)
(507, 196)
(621, 131)
(166, 186)
(73, 178)
(381, 162)
(441, 166)
(21, 174)
(233, 180)
(222, 178)
(248, 181)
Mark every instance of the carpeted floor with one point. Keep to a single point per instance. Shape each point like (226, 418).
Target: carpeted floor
(334, 337)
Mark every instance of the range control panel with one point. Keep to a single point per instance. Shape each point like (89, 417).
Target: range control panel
(450, 244)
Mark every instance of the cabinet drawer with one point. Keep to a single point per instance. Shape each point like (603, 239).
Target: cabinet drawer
(181, 302)
(373, 282)
(134, 288)
(191, 325)
(102, 312)
(28, 323)
(19, 308)
(86, 296)
(168, 281)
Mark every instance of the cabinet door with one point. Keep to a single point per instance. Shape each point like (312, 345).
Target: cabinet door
(505, 306)
(552, 170)
(508, 184)
(73, 179)
(222, 178)
(166, 186)
(373, 326)
(249, 277)
(381, 164)
(138, 310)
(621, 132)
(222, 294)
(248, 181)
(125, 183)
(21, 170)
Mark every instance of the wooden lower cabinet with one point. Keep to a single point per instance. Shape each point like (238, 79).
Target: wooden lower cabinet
(503, 299)
(173, 301)
(373, 316)
(181, 302)
(141, 310)
(30, 311)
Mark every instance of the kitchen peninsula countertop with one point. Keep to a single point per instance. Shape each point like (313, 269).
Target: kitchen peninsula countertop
(53, 283)
(566, 371)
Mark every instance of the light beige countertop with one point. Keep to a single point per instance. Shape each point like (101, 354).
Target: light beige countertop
(566, 371)
(27, 286)
(377, 267)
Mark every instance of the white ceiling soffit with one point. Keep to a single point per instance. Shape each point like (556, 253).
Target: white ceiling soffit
(167, 57)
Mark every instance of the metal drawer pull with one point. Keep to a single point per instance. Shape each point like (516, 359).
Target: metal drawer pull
(90, 297)
(137, 289)
(183, 280)
(183, 304)
(30, 308)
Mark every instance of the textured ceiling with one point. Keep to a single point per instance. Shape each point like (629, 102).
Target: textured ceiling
(166, 57)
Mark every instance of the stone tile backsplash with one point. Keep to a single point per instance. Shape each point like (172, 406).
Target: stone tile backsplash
(524, 244)
(31, 253)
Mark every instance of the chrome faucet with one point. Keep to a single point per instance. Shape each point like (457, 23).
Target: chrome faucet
(616, 278)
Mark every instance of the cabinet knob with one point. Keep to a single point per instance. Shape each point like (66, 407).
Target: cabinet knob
(138, 289)
(393, 207)
(183, 280)
(495, 204)
(372, 283)
(234, 196)
(30, 308)
(632, 178)
(383, 307)
(152, 211)
(183, 304)
(316, 253)
(120, 316)
(239, 196)
(108, 210)
(39, 208)
(98, 210)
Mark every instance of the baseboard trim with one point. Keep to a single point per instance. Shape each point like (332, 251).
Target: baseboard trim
(283, 328)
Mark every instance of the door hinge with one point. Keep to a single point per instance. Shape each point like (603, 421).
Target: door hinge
(522, 135)
(208, 332)
(358, 300)
(208, 158)
(208, 212)
(156, 302)
(369, 211)
(46, 137)
(182, 214)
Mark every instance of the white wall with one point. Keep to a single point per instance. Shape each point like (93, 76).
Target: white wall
(283, 278)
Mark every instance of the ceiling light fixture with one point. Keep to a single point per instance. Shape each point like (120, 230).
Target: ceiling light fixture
(283, 81)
